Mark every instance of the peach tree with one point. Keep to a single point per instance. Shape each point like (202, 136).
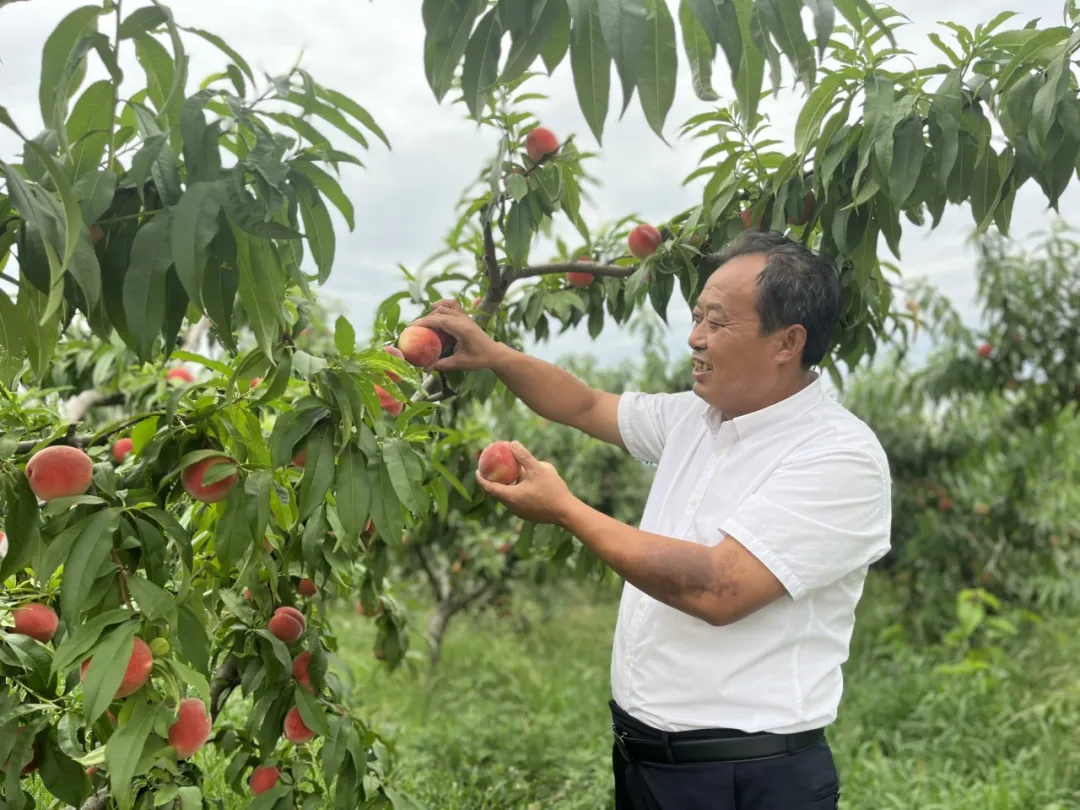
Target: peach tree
(151, 584)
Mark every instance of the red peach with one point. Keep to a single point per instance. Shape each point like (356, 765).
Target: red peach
(295, 730)
(539, 142)
(299, 459)
(192, 727)
(139, 667)
(288, 624)
(121, 448)
(59, 471)
(300, 666)
(389, 404)
(3, 545)
(36, 620)
(580, 278)
(419, 345)
(180, 373)
(394, 350)
(643, 240)
(306, 587)
(254, 382)
(96, 233)
(985, 349)
(192, 480)
(498, 464)
(808, 203)
(263, 778)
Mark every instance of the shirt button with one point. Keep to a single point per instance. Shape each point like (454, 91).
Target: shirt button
(627, 660)
(693, 501)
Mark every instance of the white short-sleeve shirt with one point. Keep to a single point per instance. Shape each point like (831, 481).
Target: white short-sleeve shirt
(803, 484)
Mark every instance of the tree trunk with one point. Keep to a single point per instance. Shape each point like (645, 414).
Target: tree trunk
(436, 629)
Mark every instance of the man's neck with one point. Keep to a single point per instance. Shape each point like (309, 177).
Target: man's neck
(783, 390)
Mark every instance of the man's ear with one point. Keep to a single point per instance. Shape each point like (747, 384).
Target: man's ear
(790, 343)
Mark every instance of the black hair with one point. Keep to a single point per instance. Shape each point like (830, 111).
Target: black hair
(795, 287)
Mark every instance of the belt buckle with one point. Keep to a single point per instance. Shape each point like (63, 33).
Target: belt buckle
(620, 742)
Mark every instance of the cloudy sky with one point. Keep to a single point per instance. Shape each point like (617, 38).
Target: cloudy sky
(404, 198)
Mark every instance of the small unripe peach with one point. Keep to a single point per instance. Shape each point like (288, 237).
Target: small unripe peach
(59, 471)
(121, 448)
(498, 463)
(263, 778)
(254, 382)
(539, 142)
(36, 620)
(288, 624)
(192, 480)
(643, 240)
(140, 665)
(295, 730)
(420, 345)
(306, 587)
(192, 727)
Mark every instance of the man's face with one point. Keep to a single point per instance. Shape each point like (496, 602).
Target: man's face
(736, 367)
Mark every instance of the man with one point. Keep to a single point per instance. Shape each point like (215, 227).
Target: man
(769, 503)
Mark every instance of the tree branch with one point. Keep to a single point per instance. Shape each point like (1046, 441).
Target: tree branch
(438, 584)
(223, 681)
(574, 267)
(195, 333)
(76, 408)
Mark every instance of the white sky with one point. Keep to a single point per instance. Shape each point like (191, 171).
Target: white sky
(404, 198)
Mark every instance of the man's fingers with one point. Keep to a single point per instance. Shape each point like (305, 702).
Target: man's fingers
(492, 488)
(524, 457)
(449, 303)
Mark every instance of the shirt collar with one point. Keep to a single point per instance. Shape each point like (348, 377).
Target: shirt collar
(749, 423)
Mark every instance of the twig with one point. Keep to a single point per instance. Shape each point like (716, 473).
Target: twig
(192, 336)
(574, 267)
(123, 578)
(438, 585)
(222, 682)
(9, 279)
(76, 408)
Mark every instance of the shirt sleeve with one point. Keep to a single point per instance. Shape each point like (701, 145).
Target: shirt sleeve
(646, 420)
(818, 518)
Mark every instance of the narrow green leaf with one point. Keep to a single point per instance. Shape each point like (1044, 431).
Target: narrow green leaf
(518, 234)
(751, 74)
(395, 452)
(824, 19)
(907, 159)
(106, 670)
(13, 329)
(590, 63)
(480, 70)
(141, 21)
(154, 602)
(720, 20)
(821, 101)
(945, 110)
(95, 190)
(88, 127)
(85, 635)
(700, 52)
(9, 122)
(62, 776)
(352, 491)
(224, 47)
(529, 40)
(447, 26)
(72, 212)
(58, 49)
(221, 281)
(556, 46)
(985, 189)
(144, 283)
(385, 506)
(344, 336)
(81, 567)
(854, 10)
(125, 747)
(318, 469)
(310, 711)
(194, 226)
(262, 287)
(328, 186)
(317, 227)
(623, 24)
(1020, 62)
(659, 66)
(353, 109)
(783, 21)
(20, 523)
(193, 642)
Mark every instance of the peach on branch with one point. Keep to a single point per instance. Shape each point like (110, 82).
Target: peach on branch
(299, 459)
(121, 447)
(808, 203)
(498, 464)
(192, 479)
(192, 727)
(180, 373)
(139, 666)
(36, 620)
(263, 778)
(419, 345)
(396, 352)
(300, 666)
(295, 730)
(580, 278)
(985, 350)
(287, 623)
(643, 240)
(3, 545)
(306, 587)
(540, 142)
(389, 404)
(59, 471)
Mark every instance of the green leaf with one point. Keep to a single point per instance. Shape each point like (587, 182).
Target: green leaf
(95, 190)
(144, 283)
(72, 213)
(318, 469)
(783, 22)
(77, 643)
(751, 72)
(854, 10)
(13, 330)
(88, 128)
(58, 49)
(344, 336)
(328, 186)
(141, 21)
(224, 47)
(62, 776)
(558, 43)
(517, 186)
(700, 52)
(659, 66)
(160, 71)
(193, 642)
(352, 108)
(821, 101)
(194, 226)
(907, 159)
(221, 282)
(202, 151)
(403, 469)
(385, 506)
(9, 122)
(985, 189)
(624, 28)
(289, 429)
(125, 748)
(89, 551)
(720, 21)
(590, 63)
(447, 26)
(480, 70)
(946, 107)
(20, 523)
(824, 19)
(1021, 59)
(155, 603)
(518, 234)
(106, 670)
(351, 490)
(318, 228)
(262, 287)
(311, 712)
(529, 39)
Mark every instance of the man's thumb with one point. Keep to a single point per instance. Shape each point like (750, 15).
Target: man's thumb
(524, 457)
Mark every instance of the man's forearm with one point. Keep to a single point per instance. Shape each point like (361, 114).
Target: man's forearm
(546, 389)
(683, 575)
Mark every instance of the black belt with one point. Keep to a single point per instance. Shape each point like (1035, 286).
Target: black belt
(716, 749)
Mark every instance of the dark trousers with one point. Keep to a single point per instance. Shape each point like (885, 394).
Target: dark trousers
(806, 780)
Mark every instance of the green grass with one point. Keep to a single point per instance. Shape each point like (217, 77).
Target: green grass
(517, 716)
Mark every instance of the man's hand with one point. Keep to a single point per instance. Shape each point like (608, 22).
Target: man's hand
(540, 495)
(475, 349)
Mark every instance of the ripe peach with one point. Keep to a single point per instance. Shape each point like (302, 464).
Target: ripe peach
(300, 666)
(121, 448)
(140, 664)
(3, 545)
(36, 620)
(808, 203)
(394, 350)
(419, 345)
(59, 471)
(580, 278)
(192, 727)
(643, 240)
(745, 217)
(477, 302)
(498, 464)
(192, 480)
(263, 778)
(93, 769)
(288, 624)
(299, 459)
(539, 142)
(254, 382)
(96, 233)
(389, 404)
(180, 373)
(295, 730)
(985, 349)
(306, 587)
